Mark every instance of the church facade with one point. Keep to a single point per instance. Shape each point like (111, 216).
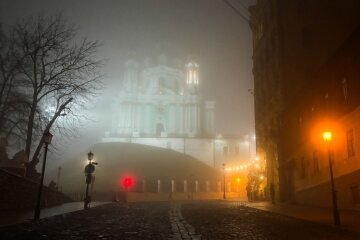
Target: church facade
(161, 101)
(160, 105)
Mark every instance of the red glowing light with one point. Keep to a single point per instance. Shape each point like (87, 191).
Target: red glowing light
(127, 182)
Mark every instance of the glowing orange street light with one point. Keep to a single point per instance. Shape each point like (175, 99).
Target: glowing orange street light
(327, 136)
(237, 185)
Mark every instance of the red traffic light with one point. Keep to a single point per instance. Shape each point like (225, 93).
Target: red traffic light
(127, 182)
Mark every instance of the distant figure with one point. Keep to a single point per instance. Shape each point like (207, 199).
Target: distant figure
(272, 193)
(248, 192)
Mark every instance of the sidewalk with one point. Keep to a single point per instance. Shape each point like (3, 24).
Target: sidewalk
(14, 217)
(350, 220)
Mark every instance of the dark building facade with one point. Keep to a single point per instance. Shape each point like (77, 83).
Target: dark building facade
(297, 47)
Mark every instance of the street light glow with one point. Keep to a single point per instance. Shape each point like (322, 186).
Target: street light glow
(327, 136)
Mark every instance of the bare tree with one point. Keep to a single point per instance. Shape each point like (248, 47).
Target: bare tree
(54, 69)
(13, 104)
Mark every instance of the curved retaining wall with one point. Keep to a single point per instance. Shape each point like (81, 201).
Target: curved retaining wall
(17, 192)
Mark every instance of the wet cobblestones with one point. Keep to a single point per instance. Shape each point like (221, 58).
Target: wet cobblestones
(135, 221)
(181, 229)
(173, 221)
(224, 220)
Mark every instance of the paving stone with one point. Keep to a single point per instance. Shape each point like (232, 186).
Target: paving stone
(173, 221)
(216, 220)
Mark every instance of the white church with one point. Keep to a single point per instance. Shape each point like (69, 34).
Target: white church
(160, 105)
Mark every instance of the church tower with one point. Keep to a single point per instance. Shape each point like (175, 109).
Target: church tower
(192, 100)
(192, 77)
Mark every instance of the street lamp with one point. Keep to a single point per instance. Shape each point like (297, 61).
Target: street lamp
(47, 137)
(224, 196)
(89, 169)
(327, 136)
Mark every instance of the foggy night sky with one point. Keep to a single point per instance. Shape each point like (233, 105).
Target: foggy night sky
(207, 30)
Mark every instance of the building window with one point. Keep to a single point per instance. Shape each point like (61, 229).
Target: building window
(350, 143)
(316, 162)
(225, 150)
(345, 89)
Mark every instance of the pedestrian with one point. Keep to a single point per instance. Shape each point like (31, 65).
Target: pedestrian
(248, 192)
(272, 193)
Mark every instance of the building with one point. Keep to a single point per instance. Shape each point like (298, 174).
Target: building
(293, 41)
(331, 103)
(159, 103)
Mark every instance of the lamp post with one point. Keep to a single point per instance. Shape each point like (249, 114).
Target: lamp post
(47, 137)
(89, 169)
(327, 136)
(224, 196)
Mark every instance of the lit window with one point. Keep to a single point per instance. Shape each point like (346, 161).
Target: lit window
(350, 143)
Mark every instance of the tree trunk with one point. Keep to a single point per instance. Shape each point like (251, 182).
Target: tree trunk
(47, 128)
(29, 130)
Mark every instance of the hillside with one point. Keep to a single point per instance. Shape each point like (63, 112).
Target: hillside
(138, 161)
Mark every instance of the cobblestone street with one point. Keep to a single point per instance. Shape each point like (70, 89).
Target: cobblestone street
(111, 221)
(229, 220)
(197, 220)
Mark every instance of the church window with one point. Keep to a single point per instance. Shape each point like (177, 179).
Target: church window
(350, 143)
(190, 77)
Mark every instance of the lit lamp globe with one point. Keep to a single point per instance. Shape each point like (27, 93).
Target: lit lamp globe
(327, 136)
(90, 156)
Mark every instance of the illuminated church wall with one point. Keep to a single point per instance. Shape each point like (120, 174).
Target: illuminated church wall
(160, 105)
(160, 100)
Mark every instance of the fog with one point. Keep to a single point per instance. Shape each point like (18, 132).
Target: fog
(206, 30)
